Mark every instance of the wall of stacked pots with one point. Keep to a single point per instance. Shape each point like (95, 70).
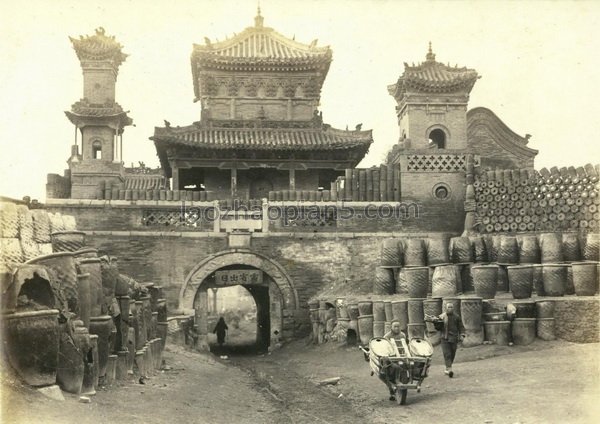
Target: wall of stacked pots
(565, 199)
(68, 316)
(506, 289)
(121, 192)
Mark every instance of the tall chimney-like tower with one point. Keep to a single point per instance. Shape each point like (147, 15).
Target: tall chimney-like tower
(98, 117)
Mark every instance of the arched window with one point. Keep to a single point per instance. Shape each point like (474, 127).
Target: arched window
(437, 138)
(97, 150)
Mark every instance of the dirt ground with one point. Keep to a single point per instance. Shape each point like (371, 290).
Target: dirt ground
(546, 382)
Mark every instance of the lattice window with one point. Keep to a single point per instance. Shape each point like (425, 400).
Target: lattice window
(439, 163)
(192, 217)
(309, 217)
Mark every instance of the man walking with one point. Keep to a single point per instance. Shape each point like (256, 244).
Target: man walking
(452, 330)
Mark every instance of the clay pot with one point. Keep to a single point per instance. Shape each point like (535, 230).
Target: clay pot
(365, 329)
(102, 327)
(163, 331)
(545, 328)
(432, 307)
(70, 370)
(378, 311)
(480, 252)
(122, 285)
(414, 253)
(85, 298)
(525, 309)
(110, 275)
(461, 250)
(494, 316)
(437, 251)
(88, 252)
(111, 370)
(378, 328)
(400, 313)
(444, 281)
(131, 349)
(161, 308)
(81, 337)
(415, 311)
(485, 280)
(591, 252)
(538, 279)
(95, 360)
(551, 248)
(502, 279)
(416, 331)
(417, 280)
(401, 281)
(67, 241)
(585, 278)
(570, 247)
(63, 265)
(473, 337)
(472, 313)
(121, 368)
(91, 266)
(353, 311)
(520, 280)
(523, 331)
(544, 308)
(383, 283)
(497, 332)
(140, 364)
(31, 344)
(529, 250)
(509, 251)
(555, 279)
(389, 315)
(365, 308)
(391, 253)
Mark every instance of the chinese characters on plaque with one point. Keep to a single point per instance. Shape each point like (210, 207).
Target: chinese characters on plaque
(238, 276)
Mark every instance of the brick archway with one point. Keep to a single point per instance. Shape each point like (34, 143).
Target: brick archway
(202, 270)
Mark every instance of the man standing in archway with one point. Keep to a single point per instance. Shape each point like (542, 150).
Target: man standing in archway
(221, 331)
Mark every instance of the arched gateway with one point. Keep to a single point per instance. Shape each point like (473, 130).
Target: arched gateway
(275, 296)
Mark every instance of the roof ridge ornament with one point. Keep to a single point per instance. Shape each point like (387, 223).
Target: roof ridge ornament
(258, 19)
(430, 55)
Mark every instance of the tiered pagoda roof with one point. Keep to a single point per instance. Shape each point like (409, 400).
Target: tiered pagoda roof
(99, 47)
(433, 77)
(353, 144)
(258, 48)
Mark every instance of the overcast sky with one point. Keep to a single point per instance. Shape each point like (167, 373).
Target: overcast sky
(538, 60)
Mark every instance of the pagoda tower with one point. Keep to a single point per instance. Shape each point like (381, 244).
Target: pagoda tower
(98, 118)
(260, 129)
(432, 104)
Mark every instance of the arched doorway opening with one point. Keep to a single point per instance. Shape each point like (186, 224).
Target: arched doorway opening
(266, 281)
(437, 138)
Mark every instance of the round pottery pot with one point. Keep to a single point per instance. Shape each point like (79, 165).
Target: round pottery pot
(444, 281)
(520, 280)
(461, 250)
(545, 328)
(523, 331)
(472, 313)
(378, 311)
(551, 248)
(571, 248)
(383, 283)
(509, 251)
(378, 328)
(391, 253)
(365, 308)
(555, 279)
(31, 345)
(365, 329)
(414, 252)
(67, 241)
(497, 332)
(544, 308)
(480, 252)
(529, 250)
(102, 327)
(63, 265)
(494, 316)
(473, 337)
(417, 280)
(591, 252)
(437, 251)
(585, 278)
(416, 331)
(485, 280)
(400, 313)
(525, 309)
(415, 311)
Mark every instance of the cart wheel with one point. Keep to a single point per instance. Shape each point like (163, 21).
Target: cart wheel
(401, 396)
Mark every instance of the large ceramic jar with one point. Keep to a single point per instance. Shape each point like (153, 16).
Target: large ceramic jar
(485, 280)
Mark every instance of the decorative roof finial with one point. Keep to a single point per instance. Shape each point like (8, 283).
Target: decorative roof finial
(258, 19)
(430, 55)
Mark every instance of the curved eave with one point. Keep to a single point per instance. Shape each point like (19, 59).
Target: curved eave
(122, 117)
(501, 133)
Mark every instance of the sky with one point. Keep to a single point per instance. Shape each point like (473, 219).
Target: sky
(538, 61)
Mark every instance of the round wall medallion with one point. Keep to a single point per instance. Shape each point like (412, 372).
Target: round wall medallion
(441, 191)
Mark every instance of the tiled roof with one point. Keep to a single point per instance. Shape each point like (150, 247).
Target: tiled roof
(98, 47)
(264, 138)
(481, 120)
(434, 77)
(261, 42)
